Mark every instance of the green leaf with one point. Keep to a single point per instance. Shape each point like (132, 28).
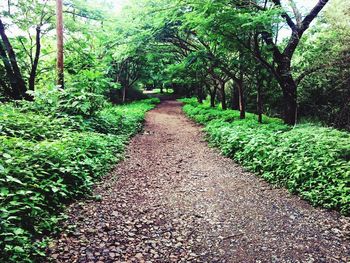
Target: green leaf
(12, 179)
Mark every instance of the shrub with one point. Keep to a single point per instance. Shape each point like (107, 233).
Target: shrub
(311, 161)
(49, 160)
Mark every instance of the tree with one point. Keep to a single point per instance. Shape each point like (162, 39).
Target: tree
(281, 65)
(33, 21)
(60, 55)
(9, 58)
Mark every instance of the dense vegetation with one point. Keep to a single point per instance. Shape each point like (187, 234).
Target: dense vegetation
(50, 159)
(62, 128)
(309, 160)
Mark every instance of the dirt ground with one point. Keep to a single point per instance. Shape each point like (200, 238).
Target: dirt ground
(174, 199)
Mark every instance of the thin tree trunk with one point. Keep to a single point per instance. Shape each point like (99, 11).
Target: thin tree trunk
(124, 94)
(60, 56)
(212, 100)
(212, 96)
(223, 95)
(241, 98)
(259, 98)
(9, 6)
(36, 60)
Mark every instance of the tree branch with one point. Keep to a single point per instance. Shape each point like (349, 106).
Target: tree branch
(289, 20)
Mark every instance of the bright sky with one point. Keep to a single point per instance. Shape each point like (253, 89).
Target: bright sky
(304, 6)
(119, 5)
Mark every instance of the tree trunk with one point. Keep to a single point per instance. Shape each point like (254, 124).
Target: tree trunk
(18, 84)
(283, 59)
(200, 93)
(290, 100)
(223, 95)
(212, 96)
(212, 100)
(289, 89)
(259, 98)
(234, 98)
(124, 94)
(9, 6)
(60, 56)
(32, 75)
(13, 91)
(241, 98)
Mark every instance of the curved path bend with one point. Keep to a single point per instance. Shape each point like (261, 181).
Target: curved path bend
(174, 199)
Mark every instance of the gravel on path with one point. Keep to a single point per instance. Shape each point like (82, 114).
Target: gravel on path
(174, 199)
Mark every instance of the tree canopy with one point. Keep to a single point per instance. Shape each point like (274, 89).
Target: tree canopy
(292, 60)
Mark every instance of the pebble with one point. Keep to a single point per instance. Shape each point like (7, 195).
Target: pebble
(185, 213)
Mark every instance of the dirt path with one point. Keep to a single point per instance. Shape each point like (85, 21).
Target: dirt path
(174, 199)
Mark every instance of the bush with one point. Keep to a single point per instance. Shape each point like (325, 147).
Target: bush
(48, 161)
(29, 125)
(311, 161)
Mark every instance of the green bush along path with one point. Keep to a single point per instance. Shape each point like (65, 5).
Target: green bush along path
(174, 199)
(49, 159)
(311, 161)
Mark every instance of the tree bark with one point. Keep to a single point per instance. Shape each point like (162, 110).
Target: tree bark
(259, 97)
(32, 75)
(212, 96)
(9, 58)
(241, 99)
(223, 94)
(60, 56)
(234, 98)
(13, 92)
(289, 89)
(124, 94)
(200, 93)
(290, 99)
(9, 6)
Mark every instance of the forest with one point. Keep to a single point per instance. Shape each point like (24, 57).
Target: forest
(267, 80)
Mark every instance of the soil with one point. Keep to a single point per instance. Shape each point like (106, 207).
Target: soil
(174, 199)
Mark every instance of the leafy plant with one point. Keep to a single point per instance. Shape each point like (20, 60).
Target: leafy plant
(49, 160)
(309, 160)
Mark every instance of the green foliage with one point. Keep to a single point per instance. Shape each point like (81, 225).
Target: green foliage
(29, 125)
(324, 92)
(204, 113)
(311, 161)
(49, 160)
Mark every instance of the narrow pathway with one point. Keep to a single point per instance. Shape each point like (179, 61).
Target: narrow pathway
(174, 199)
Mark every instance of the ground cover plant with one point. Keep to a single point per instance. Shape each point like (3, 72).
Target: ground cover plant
(49, 160)
(309, 160)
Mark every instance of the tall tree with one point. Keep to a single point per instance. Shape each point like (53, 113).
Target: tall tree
(60, 55)
(281, 65)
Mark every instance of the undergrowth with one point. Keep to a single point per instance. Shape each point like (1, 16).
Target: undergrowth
(49, 159)
(309, 160)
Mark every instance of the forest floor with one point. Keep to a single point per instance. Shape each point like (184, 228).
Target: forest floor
(174, 199)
